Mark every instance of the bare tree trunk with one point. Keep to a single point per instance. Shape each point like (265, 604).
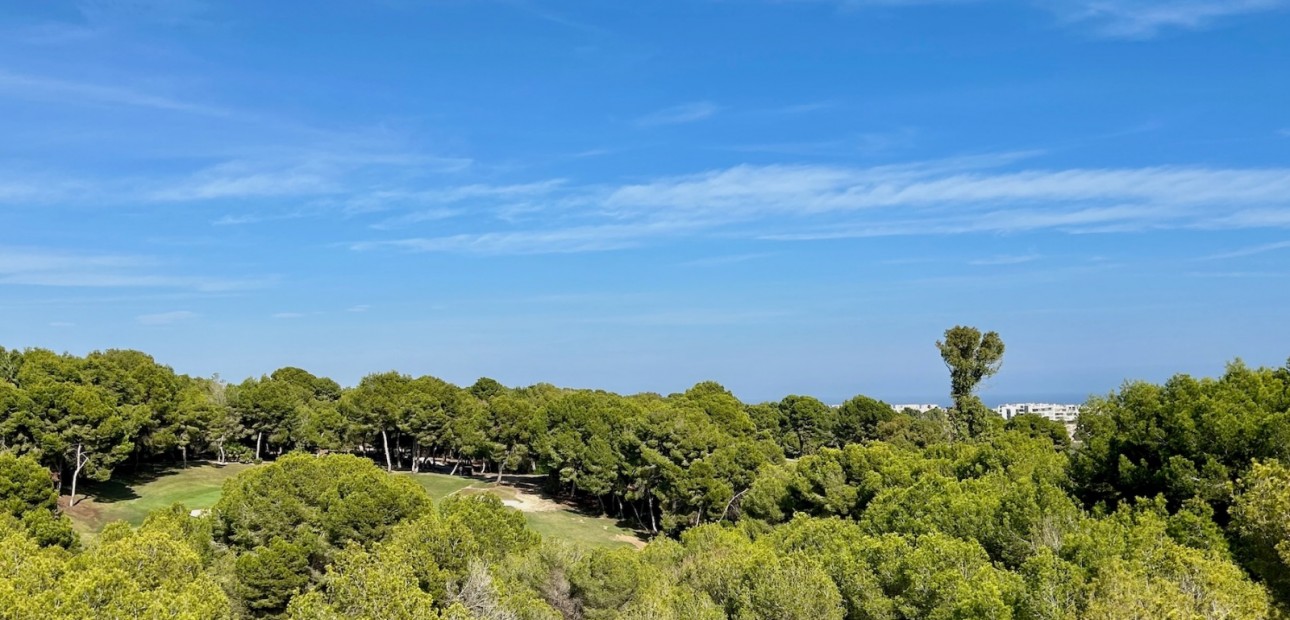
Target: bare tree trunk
(653, 525)
(389, 466)
(184, 451)
(455, 465)
(416, 456)
(80, 462)
(221, 453)
(501, 465)
(258, 437)
(637, 512)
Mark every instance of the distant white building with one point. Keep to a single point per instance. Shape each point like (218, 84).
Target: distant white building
(1066, 414)
(921, 408)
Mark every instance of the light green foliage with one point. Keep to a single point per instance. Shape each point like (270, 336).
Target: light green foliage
(752, 580)
(146, 574)
(365, 586)
(1261, 522)
(1131, 562)
(722, 408)
(496, 530)
(893, 576)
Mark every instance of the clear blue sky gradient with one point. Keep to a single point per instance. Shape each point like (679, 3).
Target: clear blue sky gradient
(782, 196)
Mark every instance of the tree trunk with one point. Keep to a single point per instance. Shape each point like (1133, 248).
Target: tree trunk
(76, 474)
(258, 437)
(455, 465)
(653, 526)
(221, 453)
(389, 465)
(416, 456)
(184, 451)
(500, 467)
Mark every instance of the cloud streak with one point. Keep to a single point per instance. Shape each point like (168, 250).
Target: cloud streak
(802, 203)
(45, 89)
(35, 267)
(1138, 19)
(680, 114)
(1250, 251)
(166, 318)
(1129, 19)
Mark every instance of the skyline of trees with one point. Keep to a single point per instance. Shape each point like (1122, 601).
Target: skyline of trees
(1170, 500)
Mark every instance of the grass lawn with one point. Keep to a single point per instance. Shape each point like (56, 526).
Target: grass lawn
(198, 486)
(440, 486)
(131, 499)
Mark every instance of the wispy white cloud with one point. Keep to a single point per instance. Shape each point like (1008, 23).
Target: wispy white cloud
(36, 267)
(729, 259)
(679, 114)
(450, 202)
(1238, 274)
(590, 238)
(247, 180)
(287, 315)
(62, 91)
(1249, 251)
(166, 12)
(166, 318)
(1005, 260)
(945, 197)
(1133, 19)
(358, 308)
(1147, 18)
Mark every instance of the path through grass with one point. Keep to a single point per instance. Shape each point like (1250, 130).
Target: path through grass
(548, 518)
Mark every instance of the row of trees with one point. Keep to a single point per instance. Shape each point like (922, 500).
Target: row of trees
(663, 462)
(1170, 502)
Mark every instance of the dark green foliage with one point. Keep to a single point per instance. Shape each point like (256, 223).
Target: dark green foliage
(1187, 438)
(858, 419)
(328, 501)
(971, 357)
(25, 486)
(268, 576)
(1041, 427)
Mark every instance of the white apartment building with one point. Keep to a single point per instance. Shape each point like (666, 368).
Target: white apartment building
(1066, 414)
(921, 408)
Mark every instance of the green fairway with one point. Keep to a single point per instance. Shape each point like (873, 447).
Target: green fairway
(440, 486)
(131, 499)
(198, 486)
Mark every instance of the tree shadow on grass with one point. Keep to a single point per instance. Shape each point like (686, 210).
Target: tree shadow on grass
(120, 487)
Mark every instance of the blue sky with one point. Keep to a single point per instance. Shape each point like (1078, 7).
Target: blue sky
(783, 196)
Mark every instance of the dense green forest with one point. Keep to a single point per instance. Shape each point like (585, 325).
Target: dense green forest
(1171, 501)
